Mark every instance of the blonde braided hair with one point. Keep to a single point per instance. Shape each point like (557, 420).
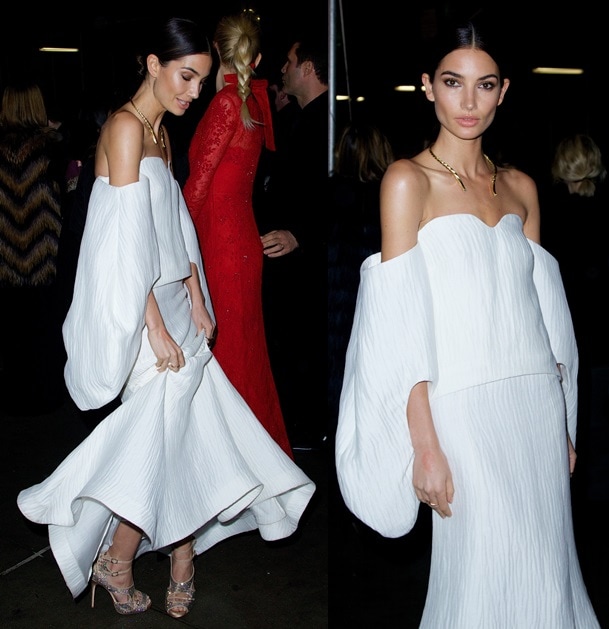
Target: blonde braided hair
(237, 39)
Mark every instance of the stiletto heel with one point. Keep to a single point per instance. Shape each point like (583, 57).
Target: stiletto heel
(180, 596)
(103, 570)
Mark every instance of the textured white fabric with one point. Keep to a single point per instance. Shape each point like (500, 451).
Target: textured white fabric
(506, 558)
(494, 325)
(390, 350)
(487, 321)
(553, 300)
(183, 453)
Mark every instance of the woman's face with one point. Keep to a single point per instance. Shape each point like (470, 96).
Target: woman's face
(180, 82)
(466, 92)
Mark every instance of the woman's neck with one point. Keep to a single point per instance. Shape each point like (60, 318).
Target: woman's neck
(223, 70)
(149, 106)
(464, 156)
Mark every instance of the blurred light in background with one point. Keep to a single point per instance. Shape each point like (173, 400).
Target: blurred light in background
(542, 70)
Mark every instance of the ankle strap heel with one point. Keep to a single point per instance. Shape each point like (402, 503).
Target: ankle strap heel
(106, 567)
(180, 596)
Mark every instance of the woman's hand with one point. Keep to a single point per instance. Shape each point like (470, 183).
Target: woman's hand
(199, 313)
(433, 481)
(572, 456)
(168, 353)
(202, 319)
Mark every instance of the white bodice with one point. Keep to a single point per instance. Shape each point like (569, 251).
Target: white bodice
(487, 321)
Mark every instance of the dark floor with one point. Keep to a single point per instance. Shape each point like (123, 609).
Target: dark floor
(382, 583)
(242, 583)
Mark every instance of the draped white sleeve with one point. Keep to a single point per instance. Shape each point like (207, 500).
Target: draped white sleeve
(558, 322)
(390, 350)
(194, 252)
(117, 267)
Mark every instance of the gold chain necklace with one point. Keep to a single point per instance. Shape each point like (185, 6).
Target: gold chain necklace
(455, 174)
(147, 123)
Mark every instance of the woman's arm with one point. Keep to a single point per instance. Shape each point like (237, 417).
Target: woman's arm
(168, 353)
(402, 189)
(432, 478)
(200, 314)
(207, 148)
(525, 189)
(122, 147)
(401, 213)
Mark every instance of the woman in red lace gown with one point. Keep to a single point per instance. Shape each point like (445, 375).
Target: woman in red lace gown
(223, 159)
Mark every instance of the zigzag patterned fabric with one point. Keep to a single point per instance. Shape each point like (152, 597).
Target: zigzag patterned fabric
(30, 207)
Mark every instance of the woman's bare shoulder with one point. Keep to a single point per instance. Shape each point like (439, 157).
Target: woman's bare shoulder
(518, 179)
(406, 167)
(120, 148)
(521, 197)
(403, 192)
(121, 124)
(405, 174)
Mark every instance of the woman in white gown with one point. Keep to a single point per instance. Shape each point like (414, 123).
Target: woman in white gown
(182, 463)
(459, 389)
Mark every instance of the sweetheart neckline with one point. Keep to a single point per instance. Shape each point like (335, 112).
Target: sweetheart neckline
(476, 218)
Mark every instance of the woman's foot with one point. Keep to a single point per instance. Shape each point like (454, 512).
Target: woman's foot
(116, 577)
(180, 595)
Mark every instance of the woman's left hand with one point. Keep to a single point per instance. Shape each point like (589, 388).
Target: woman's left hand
(204, 322)
(572, 455)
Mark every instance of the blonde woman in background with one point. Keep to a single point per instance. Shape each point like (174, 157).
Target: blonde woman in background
(576, 220)
(223, 159)
(579, 164)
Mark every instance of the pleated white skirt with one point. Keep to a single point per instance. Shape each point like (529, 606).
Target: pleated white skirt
(506, 559)
(182, 455)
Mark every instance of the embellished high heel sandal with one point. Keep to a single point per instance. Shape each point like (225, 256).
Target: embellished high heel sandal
(180, 597)
(105, 568)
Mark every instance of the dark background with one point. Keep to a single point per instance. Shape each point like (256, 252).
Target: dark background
(104, 71)
(386, 45)
(375, 46)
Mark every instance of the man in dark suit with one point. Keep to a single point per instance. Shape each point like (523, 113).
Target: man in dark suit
(294, 241)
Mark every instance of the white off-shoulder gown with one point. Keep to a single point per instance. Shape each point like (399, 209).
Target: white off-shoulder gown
(183, 454)
(478, 312)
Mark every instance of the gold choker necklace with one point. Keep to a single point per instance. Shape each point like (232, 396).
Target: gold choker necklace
(455, 174)
(147, 123)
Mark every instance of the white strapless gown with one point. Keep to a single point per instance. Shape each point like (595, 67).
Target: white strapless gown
(183, 454)
(479, 312)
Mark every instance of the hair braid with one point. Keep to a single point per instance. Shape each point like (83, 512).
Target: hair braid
(238, 40)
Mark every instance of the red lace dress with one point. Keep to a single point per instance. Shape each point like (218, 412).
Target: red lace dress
(223, 158)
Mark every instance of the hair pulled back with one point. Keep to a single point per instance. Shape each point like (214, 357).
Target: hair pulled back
(237, 38)
(465, 36)
(578, 159)
(173, 39)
